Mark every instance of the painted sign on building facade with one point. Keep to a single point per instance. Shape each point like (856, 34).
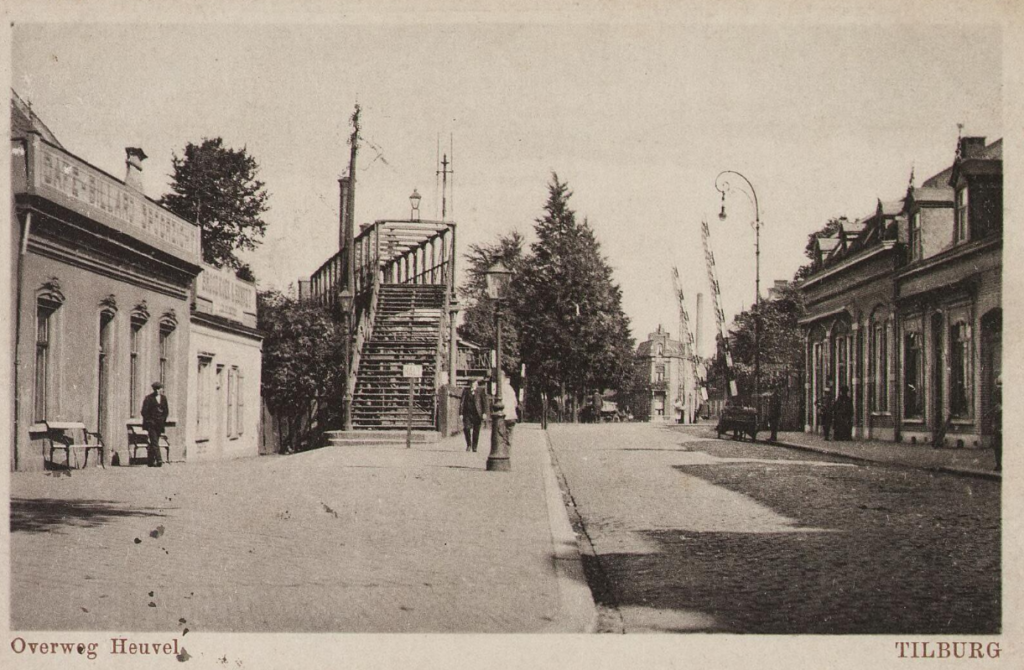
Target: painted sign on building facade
(221, 293)
(71, 182)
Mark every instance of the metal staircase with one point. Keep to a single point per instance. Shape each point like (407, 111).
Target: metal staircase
(404, 307)
(408, 327)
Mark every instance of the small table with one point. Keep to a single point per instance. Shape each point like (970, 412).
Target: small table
(64, 435)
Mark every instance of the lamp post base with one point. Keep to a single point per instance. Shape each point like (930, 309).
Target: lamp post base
(498, 460)
(499, 464)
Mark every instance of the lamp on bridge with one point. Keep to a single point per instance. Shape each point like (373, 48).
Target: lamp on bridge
(497, 280)
(345, 304)
(414, 200)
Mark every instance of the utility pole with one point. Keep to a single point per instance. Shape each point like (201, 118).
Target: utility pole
(350, 261)
(444, 172)
(350, 221)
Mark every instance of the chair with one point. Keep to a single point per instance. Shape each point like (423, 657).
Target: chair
(58, 440)
(138, 438)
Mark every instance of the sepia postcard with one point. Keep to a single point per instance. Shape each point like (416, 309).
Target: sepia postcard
(691, 356)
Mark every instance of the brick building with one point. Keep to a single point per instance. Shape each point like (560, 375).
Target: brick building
(904, 308)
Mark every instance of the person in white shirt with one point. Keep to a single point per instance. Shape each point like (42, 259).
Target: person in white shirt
(511, 406)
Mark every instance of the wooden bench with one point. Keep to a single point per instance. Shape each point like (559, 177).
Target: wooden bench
(73, 438)
(138, 438)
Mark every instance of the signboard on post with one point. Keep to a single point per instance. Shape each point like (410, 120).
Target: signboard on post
(412, 372)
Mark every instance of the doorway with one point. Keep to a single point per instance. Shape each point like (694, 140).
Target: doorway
(103, 375)
(991, 368)
(937, 419)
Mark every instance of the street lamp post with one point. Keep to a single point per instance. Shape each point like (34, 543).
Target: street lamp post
(498, 460)
(345, 304)
(414, 200)
(722, 184)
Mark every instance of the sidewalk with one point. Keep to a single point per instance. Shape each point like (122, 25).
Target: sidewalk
(973, 462)
(344, 539)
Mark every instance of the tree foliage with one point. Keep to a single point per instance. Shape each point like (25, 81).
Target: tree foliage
(574, 334)
(302, 378)
(218, 188)
(781, 339)
(478, 319)
(564, 316)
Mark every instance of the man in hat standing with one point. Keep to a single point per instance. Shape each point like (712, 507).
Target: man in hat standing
(154, 418)
(473, 409)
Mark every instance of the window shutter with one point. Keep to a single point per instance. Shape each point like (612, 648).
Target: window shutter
(241, 402)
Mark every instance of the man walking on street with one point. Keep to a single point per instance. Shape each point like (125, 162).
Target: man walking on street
(511, 407)
(825, 403)
(473, 408)
(154, 419)
(842, 416)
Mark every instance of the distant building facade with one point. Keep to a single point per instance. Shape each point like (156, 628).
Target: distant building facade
(664, 388)
(904, 308)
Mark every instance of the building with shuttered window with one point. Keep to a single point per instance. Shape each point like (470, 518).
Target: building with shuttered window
(225, 359)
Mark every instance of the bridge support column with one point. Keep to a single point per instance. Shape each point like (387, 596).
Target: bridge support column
(453, 344)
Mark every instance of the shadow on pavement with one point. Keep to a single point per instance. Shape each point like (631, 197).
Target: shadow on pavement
(788, 583)
(43, 515)
(907, 554)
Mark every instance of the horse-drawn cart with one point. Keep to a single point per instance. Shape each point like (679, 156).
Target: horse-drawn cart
(739, 421)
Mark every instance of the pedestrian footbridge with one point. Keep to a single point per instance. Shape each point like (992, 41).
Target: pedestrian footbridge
(404, 311)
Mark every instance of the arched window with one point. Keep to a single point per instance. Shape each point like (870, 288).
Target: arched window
(879, 361)
(913, 369)
(961, 372)
(165, 353)
(140, 316)
(843, 354)
(108, 311)
(49, 299)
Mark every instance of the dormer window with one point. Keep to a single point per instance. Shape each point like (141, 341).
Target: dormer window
(960, 227)
(915, 237)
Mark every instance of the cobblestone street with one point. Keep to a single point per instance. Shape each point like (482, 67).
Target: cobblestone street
(691, 533)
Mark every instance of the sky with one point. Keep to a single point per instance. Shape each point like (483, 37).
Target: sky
(638, 117)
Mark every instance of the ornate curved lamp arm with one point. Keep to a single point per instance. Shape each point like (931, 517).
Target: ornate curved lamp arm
(722, 184)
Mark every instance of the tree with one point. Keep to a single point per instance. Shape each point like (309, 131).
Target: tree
(574, 336)
(478, 318)
(782, 349)
(302, 379)
(218, 188)
(830, 228)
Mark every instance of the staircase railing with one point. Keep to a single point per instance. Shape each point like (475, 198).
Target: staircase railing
(441, 355)
(364, 332)
(392, 252)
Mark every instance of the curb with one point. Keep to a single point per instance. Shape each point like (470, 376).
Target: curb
(945, 469)
(577, 602)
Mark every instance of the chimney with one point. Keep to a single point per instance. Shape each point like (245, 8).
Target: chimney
(700, 325)
(971, 147)
(344, 184)
(133, 176)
